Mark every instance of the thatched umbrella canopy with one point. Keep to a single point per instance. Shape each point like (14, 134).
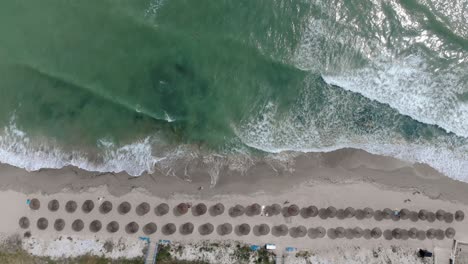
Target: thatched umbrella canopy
(358, 232)
(312, 233)
(161, 209)
(459, 216)
(440, 215)
(71, 206)
(224, 229)
(413, 233)
(59, 224)
(431, 233)
(331, 233)
(292, 210)
(310, 211)
(350, 212)
(53, 205)
(360, 214)
(323, 213)
(262, 230)
(77, 225)
(124, 208)
(298, 231)
(142, 209)
(217, 209)
(169, 229)
(387, 234)
(332, 211)
(34, 204)
(275, 209)
(340, 232)
(243, 229)
(369, 212)
(150, 228)
(182, 208)
(253, 209)
(421, 235)
(340, 214)
(423, 214)
(199, 209)
(405, 214)
(42, 223)
(95, 226)
(87, 206)
(440, 234)
(236, 210)
(431, 217)
(105, 207)
(349, 233)
(24, 222)
(397, 233)
(376, 233)
(450, 232)
(387, 213)
(367, 234)
(280, 230)
(132, 228)
(378, 215)
(205, 229)
(321, 232)
(414, 216)
(404, 234)
(186, 229)
(113, 227)
(448, 217)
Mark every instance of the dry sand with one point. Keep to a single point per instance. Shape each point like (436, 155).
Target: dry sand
(340, 179)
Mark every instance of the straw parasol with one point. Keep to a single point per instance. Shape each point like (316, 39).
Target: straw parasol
(448, 217)
(387, 213)
(205, 229)
(440, 234)
(95, 226)
(132, 228)
(323, 213)
(459, 216)
(292, 210)
(253, 209)
(113, 227)
(53, 205)
(310, 211)
(169, 229)
(224, 229)
(217, 209)
(77, 225)
(378, 215)
(312, 233)
(182, 208)
(421, 235)
(71, 206)
(24, 222)
(339, 232)
(237, 210)
(369, 212)
(150, 228)
(321, 232)
(397, 233)
(450, 232)
(199, 209)
(340, 214)
(59, 224)
(261, 230)
(367, 234)
(431, 233)
(142, 209)
(350, 212)
(105, 207)
(423, 214)
(280, 230)
(349, 233)
(243, 229)
(275, 209)
(431, 217)
(87, 206)
(124, 208)
(404, 234)
(413, 233)
(331, 211)
(34, 204)
(440, 215)
(387, 234)
(161, 209)
(42, 223)
(186, 229)
(376, 233)
(360, 214)
(414, 217)
(405, 214)
(358, 232)
(298, 231)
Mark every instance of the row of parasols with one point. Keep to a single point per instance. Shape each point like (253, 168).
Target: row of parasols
(245, 229)
(256, 209)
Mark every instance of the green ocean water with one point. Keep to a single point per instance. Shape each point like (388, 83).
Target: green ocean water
(255, 77)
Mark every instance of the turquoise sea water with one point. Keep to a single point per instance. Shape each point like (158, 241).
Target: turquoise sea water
(125, 85)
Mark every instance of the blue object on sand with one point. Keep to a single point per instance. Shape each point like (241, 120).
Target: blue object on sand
(28, 201)
(254, 247)
(291, 249)
(144, 239)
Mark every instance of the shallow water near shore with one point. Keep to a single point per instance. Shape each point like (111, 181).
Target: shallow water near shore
(127, 86)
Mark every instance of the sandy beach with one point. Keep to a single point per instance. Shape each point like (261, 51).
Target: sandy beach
(345, 178)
